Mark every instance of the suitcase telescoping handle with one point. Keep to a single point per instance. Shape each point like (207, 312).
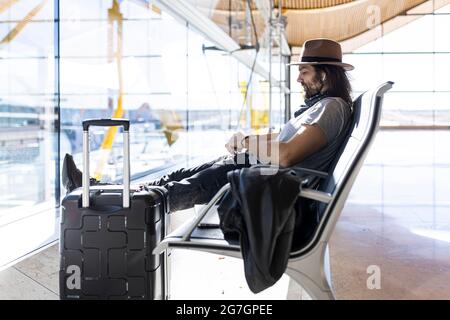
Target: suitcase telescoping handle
(126, 157)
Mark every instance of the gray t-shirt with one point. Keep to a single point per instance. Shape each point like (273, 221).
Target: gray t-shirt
(332, 115)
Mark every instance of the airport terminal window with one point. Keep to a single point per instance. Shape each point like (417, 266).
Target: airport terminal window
(28, 141)
(116, 61)
(112, 65)
(415, 56)
(171, 89)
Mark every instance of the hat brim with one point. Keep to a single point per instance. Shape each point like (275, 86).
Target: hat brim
(346, 66)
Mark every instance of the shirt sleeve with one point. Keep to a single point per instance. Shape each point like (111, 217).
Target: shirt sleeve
(330, 115)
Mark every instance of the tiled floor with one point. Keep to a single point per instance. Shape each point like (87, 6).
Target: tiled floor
(212, 276)
(35, 278)
(397, 219)
(414, 263)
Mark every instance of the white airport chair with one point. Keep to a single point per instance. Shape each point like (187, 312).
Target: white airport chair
(309, 263)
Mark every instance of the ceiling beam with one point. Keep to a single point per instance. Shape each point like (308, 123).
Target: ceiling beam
(266, 11)
(185, 11)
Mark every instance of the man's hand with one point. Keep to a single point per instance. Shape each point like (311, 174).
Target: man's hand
(235, 143)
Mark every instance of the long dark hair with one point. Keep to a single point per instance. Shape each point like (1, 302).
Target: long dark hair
(337, 81)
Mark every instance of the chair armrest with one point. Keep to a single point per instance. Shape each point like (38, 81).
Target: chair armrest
(317, 173)
(205, 210)
(186, 229)
(316, 195)
(190, 227)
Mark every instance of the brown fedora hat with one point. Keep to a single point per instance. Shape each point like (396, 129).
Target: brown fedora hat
(322, 51)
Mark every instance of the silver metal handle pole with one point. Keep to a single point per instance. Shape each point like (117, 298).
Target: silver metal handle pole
(85, 173)
(126, 169)
(126, 158)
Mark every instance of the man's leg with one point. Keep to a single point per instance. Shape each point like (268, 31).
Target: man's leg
(201, 186)
(187, 187)
(184, 173)
(72, 176)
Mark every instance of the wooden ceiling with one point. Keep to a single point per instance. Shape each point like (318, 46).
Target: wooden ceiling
(286, 4)
(341, 20)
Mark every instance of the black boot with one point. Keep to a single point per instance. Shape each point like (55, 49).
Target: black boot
(72, 176)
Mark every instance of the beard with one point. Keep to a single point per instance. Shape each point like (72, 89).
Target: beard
(310, 91)
(312, 88)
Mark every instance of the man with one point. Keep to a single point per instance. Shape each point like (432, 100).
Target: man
(310, 139)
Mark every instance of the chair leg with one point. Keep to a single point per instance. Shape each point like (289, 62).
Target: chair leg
(166, 274)
(312, 272)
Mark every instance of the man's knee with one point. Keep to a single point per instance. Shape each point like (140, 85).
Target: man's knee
(223, 160)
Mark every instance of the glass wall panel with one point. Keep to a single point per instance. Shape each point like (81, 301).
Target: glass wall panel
(416, 56)
(414, 36)
(410, 72)
(112, 65)
(171, 87)
(367, 72)
(441, 71)
(28, 122)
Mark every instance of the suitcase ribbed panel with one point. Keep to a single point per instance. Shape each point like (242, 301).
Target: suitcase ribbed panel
(106, 249)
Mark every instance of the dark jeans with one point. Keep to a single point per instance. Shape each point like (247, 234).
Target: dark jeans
(197, 185)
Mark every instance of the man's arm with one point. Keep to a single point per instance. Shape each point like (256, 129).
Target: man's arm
(238, 141)
(259, 137)
(308, 140)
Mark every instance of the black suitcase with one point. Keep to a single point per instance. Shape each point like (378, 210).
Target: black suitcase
(106, 240)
